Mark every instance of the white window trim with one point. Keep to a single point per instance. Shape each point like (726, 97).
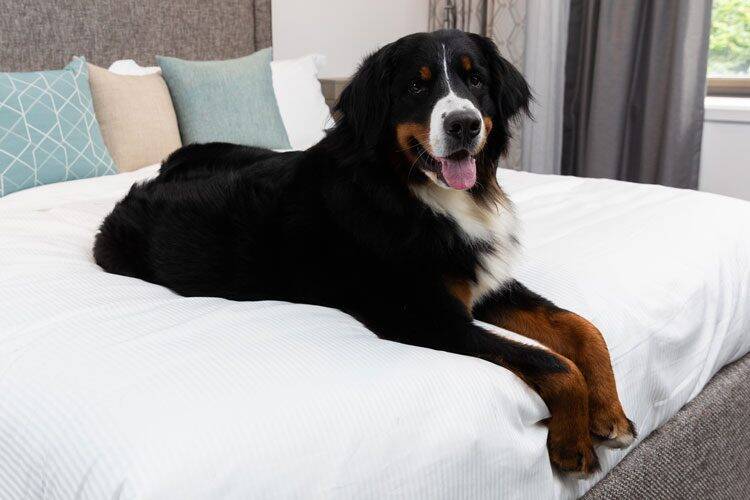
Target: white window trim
(727, 109)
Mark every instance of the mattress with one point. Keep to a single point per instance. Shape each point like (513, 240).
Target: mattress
(116, 388)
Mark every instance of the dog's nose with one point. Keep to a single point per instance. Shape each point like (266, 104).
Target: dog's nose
(462, 125)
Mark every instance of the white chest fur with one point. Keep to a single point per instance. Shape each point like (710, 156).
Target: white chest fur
(498, 227)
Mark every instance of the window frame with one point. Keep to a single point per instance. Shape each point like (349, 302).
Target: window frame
(736, 86)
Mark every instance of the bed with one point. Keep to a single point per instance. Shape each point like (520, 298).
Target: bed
(113, 385)
(116, 388)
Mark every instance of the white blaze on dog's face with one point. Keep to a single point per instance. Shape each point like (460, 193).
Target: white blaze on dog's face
(457, 132)
(452, 115)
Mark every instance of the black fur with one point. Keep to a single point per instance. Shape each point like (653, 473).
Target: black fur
(509, 87)
(336, 225)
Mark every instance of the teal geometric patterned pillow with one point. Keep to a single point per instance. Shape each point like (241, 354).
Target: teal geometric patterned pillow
(48, 130)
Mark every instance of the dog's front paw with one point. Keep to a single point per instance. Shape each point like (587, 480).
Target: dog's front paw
(574, 457)
(610, 427)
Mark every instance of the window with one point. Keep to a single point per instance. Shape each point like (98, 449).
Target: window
(729, 48)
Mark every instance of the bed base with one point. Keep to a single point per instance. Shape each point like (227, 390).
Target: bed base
(701, 452)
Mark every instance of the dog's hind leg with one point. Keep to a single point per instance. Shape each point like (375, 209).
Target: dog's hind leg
(520, 310)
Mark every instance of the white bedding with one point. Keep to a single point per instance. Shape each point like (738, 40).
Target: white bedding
(115, 388)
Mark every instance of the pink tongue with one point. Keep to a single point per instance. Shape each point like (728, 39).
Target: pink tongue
(459, 174)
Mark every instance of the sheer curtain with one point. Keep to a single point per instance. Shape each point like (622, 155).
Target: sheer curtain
(544, 68)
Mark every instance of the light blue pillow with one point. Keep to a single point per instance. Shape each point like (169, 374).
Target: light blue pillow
(48, 130)
(227, 101)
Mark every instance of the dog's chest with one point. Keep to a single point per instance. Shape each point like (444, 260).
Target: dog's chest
(481, 226)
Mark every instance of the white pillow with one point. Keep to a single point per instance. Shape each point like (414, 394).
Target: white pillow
(299, 97)
(129, 67)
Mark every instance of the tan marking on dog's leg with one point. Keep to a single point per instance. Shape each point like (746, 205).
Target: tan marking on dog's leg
(577, 339)
(566, 396)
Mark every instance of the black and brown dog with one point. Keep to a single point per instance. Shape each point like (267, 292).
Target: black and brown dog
(395, 217)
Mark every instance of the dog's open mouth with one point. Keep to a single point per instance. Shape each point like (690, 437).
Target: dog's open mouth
(457, 170)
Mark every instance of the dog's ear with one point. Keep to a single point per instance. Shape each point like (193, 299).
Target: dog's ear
(508, 86)
(365, 103)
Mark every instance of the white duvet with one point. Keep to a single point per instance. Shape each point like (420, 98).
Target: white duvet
(115, 388)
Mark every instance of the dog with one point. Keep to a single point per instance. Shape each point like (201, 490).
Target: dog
(395, 217)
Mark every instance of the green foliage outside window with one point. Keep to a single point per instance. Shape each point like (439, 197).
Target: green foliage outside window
(729, 45)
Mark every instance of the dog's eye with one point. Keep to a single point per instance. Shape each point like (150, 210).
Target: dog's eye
(475, 81)
(417, 87)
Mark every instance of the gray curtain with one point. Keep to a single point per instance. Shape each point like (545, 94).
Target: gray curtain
(635, 83)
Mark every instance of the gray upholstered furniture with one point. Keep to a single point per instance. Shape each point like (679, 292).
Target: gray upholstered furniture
(702, 452)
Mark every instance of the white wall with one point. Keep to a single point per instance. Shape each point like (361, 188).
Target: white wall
(343, 30)
(725, 151)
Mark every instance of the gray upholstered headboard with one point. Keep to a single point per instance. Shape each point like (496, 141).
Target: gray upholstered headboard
(45, 34)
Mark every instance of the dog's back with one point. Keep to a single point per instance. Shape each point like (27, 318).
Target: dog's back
(201, 161)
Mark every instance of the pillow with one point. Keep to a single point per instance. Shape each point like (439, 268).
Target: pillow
(136, 117)
(300, 99)
(301, 103)
(230, 101)
(48, 130)
(132, 68)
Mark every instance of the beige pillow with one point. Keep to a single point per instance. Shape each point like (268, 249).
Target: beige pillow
(136, 116)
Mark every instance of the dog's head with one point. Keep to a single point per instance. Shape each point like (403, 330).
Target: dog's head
(441, 101)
